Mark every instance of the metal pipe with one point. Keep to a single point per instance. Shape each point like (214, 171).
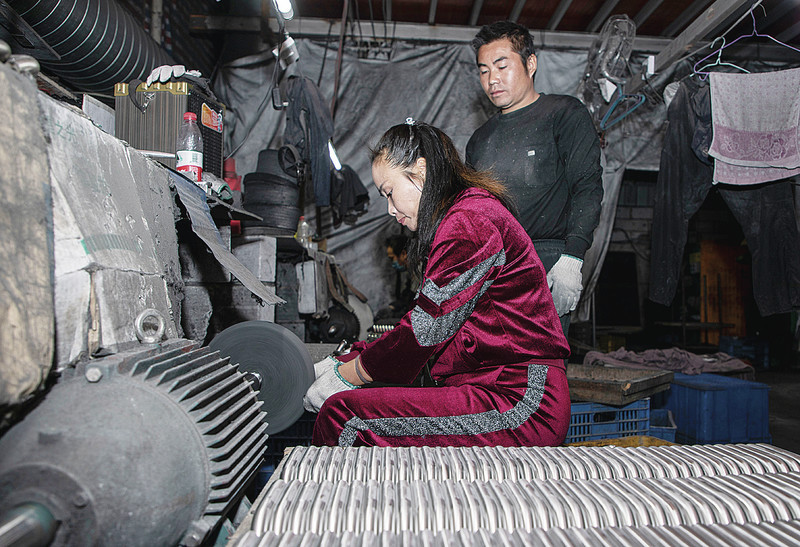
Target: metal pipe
(28, 525)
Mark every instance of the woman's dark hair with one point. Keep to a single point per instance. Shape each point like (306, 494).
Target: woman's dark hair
(521, 40)
(446, 177)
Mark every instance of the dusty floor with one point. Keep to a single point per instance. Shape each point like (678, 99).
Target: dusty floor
(784, 407)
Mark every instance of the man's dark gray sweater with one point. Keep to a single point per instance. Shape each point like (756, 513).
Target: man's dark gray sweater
(548, 155)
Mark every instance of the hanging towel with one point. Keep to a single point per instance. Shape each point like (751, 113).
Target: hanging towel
(756, 118)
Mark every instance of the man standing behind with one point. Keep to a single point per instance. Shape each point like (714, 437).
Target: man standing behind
(546, 150)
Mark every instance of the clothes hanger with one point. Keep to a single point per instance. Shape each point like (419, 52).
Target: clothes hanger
(621, 97)
(718, 62)
(754, 32)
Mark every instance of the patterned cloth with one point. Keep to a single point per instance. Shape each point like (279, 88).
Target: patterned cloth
(756, 121)
(485, 318)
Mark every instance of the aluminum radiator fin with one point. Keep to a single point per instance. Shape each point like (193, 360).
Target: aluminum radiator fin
(234, 413)
(228, 416)
(496, 505)
(208, 389)
(533, 463)
(179, 374)
(773, 534)
(143, 365)
(216, 409)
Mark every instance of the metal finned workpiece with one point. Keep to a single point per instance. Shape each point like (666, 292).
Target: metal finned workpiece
(780, 533)
(533, 463)
(529, 505)
(572, 495)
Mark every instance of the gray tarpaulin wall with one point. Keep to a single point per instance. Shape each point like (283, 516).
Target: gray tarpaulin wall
(437, 84)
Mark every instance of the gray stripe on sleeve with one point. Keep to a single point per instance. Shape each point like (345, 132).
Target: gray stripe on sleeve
(429, 330)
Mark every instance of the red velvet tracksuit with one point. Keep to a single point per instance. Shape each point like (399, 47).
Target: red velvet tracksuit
(485, 315)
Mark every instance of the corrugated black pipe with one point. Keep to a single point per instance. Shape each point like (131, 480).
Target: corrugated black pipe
(100, 43)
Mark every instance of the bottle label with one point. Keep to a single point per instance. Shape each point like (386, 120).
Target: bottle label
(190, 162)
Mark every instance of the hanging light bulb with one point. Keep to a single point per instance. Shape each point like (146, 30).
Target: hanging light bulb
(284, 8)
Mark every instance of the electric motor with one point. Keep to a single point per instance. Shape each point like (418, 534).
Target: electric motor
(151, 447)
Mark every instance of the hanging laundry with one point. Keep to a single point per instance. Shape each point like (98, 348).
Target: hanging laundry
(349, 198)
(765, 213)
(309, 127)
(756, 118)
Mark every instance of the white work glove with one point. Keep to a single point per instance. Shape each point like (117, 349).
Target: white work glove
(566, 283)
(164, 73)
(325, 364)
(329, 382)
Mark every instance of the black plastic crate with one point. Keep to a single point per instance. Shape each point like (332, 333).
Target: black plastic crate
(297, 434)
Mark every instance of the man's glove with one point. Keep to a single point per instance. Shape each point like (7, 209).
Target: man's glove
(164, 73)
(566, 283)
(328, 382)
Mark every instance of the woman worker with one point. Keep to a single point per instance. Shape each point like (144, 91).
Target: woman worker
(483, 321)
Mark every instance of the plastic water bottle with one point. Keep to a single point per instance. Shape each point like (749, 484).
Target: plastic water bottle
(189, 149)
(303, 234)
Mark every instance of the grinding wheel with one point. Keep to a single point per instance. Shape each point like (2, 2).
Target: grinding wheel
(364, 315)
(279, 359)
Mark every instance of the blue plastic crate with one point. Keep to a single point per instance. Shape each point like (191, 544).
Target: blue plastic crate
(592, 421)
(709, 408)
(662, 425)
(754, 350)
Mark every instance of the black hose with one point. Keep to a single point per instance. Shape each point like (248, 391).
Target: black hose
(100, 43)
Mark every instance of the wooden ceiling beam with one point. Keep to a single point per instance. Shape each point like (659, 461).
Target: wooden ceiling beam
(645, 13)
(558, 15)
(476, 11)
(789, 33)
(516, 10)
(601, 15)
(432, 12)
(690, 39)
(688, 15)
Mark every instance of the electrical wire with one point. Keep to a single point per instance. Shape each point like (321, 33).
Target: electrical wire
(636, 251)
(385, 28)
(372, 21)
(325, 54)
(267, 95)
(357, 21)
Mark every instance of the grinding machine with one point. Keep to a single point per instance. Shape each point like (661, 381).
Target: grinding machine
(152, 446)
(115, 431)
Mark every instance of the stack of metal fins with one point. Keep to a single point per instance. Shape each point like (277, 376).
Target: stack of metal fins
(746, 494)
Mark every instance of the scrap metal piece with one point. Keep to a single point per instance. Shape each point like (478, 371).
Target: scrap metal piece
(194, 200)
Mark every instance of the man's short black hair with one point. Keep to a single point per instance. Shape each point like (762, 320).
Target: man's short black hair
(521, 40)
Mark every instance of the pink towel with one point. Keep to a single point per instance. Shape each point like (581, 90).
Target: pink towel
(756, 120)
